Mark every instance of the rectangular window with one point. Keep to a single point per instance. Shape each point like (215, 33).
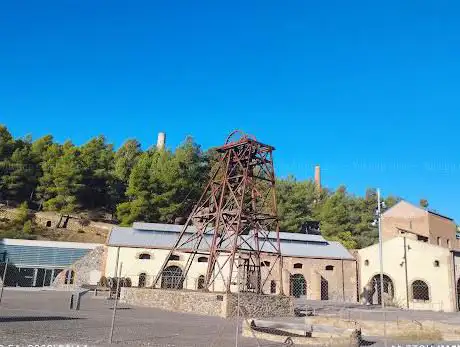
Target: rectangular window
(422, 238)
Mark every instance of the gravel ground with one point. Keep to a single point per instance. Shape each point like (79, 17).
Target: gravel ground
(43, 317)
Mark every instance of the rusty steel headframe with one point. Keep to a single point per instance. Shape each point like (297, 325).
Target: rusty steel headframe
(235, 221)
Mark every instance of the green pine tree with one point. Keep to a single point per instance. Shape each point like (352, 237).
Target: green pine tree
(298, 202)
(336, 219)
(97, 162)
(126, 158)
(65, 181)
(164, 185)
(19, 181)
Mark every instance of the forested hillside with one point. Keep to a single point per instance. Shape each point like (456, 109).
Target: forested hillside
(156, 186)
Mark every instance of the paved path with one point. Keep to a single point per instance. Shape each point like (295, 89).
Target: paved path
(44, 318)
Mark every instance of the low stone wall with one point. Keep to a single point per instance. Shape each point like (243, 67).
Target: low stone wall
(7, 213)
(397, 329)
(255, 305)
(51, 220)
(211, 304)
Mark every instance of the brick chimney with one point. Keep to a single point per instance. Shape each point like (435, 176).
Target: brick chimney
(161, 140)
(318, 177)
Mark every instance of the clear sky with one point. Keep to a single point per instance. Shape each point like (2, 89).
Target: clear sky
(370, 90)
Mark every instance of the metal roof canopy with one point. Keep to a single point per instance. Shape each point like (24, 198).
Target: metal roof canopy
(157, 235)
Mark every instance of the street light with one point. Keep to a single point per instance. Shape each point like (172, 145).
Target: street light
(378, 213)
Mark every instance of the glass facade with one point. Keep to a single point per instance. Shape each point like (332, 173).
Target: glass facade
(35, 266)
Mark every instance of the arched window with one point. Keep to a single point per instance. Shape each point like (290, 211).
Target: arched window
(297, 266)
(200, 284)
(439, 241)
(448, 243)
(324, 289)
(458, 293)
(298, 285)
(265, 263)
(174, 257)
(366, 262)
(142, 280)
(420, 291)
(144, 256)
(436, 263)
(48, 224)
(171, 278)
(69, 277)
(202, 259)
(329, 267)
(273, 287)
(373, 294)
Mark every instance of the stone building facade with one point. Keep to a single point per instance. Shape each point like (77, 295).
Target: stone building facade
(413, 222)
(417, 275)
(421, 261)
(313, 268)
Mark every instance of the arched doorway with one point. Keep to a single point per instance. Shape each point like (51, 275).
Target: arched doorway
(298, 285)
(172, 277)
(201, 282)
(142, 280)
(324, 289)
(375, 293)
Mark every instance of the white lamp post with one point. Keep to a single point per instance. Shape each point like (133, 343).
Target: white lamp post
(379, 214)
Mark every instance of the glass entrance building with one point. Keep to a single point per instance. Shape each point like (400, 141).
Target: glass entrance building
(32, 263)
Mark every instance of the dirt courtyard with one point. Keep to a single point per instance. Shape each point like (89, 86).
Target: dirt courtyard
(44, 317)
(37, 317)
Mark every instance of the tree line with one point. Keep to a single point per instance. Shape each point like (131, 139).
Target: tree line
(159, 185)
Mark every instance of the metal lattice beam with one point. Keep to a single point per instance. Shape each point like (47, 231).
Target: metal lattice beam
(233, 219)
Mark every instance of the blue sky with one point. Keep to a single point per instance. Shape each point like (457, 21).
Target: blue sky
(369, 90)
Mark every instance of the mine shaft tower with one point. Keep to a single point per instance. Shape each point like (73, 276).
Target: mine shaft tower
(235, 220)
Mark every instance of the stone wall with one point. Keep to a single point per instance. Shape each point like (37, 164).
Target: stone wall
(325, 279)
(87, 270)
(396, 328)
(7, 213)
(259, 306)
(51, 220)
(211, 304)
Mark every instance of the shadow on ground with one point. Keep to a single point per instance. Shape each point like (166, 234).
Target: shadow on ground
(35, 318)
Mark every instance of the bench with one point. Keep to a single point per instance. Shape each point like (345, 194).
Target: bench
(307, 329)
